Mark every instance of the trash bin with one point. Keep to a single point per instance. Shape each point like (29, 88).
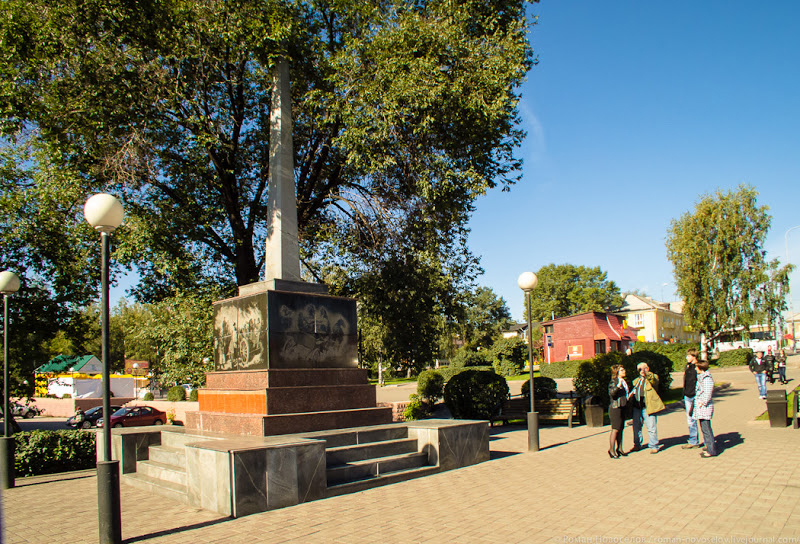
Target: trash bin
(777, 408)
(594, 413)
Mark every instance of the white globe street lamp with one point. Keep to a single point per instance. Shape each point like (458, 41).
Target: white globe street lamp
(528, 281)
(105, 214)
(9, 284)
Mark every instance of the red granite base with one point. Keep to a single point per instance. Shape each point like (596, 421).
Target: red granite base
(259, 425)
(287, 400)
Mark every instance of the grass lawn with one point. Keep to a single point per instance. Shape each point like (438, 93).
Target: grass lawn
(394, 381)
(789, 398)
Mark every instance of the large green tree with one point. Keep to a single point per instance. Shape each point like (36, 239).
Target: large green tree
(717, 254)
(404, 113)
(484, 317)
(566, 289)
(399, 108)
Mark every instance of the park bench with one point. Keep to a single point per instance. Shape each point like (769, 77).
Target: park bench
(513, 408)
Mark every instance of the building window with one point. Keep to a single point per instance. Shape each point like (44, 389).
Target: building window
(616, 345)
(638, 320)
(599, 346)
(548, 329)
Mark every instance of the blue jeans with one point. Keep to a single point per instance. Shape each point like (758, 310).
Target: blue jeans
(708, 436)
(688, 403)
(640, 415)
(782, 373)
(761, 381)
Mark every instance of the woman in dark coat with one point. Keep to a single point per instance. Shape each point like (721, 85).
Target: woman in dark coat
(618, 391)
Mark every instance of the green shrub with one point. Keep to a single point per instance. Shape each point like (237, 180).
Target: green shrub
(48, 452)
(674, 352)
(465, 357)
(508, 356)
(193, 395)
(594, 375)
(735, 357)
(544, 388)
(449, 371)
(430, 386)
(559, 369)
(415, 409)
(176, 393)
(148, 396)
(475, 394)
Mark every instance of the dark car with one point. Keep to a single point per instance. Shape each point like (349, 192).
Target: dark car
(90, 417)
(135, 416)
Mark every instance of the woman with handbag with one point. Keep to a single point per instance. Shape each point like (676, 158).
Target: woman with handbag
(618, 392)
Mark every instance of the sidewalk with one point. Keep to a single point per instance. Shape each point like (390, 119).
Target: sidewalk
(568, 492)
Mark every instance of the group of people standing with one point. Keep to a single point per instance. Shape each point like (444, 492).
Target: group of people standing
(642, 402)
(763, 367)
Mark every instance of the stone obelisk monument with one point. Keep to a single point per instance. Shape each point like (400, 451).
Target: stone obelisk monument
(285, 353)
(283, 254)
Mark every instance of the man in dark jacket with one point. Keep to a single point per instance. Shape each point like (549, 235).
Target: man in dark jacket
(689, 385)
(758, 366)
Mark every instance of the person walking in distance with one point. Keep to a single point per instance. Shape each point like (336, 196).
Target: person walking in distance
(781, 360)
(769, 360)
(689, 389)
(646, 404)
(759, 369)
(704, 407)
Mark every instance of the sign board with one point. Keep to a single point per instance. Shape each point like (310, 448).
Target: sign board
(575, 351)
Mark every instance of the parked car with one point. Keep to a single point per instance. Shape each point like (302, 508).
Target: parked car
(135, 416)
(90, 417)
(25, 410)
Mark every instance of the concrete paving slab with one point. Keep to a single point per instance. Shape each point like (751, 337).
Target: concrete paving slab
(570, 491)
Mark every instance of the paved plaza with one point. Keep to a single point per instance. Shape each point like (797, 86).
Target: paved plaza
(568, 492)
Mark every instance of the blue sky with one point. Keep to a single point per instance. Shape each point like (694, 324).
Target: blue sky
(635, 110)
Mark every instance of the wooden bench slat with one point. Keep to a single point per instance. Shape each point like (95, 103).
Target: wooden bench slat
(548, 409)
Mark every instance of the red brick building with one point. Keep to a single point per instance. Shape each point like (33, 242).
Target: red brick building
(582, 336)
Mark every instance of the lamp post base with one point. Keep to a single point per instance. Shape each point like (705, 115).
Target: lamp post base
(108, 502)
(7, 449)
(533, 431)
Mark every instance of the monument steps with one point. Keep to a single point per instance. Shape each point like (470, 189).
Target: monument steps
(360, 452)
(386, 479)
(375, 468)
(162, 471)
(168, 455)
(157, 486)
(365, 457)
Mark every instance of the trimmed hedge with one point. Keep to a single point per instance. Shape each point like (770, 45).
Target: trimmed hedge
(430, 385)
(148, 396)
(594, 375)
(193, 395)
(544, 388)
(176, 393)
(674, 352)
(448, 372)
(559, 369)
(735, 357)
(48, 452)
(475, 394)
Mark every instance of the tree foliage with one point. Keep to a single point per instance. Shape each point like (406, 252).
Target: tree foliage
(404, 113)
(717, 254)
(567, 289)
(399, 109)
(485, 317)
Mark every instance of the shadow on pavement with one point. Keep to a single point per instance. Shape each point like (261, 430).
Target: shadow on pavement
(728, 440)
(27, 481)
(177, 530)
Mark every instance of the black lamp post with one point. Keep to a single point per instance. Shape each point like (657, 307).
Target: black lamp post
(527, 281)
(9, 284)
(104, 213)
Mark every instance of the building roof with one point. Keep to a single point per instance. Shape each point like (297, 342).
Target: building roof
(638, 303)
(63, 363)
